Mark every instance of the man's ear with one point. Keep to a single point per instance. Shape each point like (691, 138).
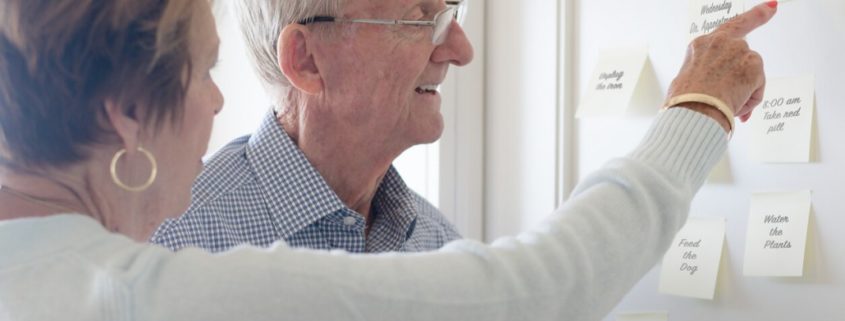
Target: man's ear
(125, 123)
(297, 61)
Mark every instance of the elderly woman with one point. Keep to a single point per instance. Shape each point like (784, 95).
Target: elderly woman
(106, 109)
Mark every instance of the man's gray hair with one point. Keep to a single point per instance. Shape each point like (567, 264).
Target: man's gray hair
(261, 23)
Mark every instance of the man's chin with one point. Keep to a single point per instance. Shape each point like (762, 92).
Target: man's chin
(430, 136)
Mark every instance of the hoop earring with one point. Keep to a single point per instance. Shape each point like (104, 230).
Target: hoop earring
(120, 183)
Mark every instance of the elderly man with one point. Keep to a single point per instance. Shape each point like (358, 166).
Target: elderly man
(355, 84)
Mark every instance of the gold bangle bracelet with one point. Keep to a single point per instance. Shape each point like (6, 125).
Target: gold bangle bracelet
(707, 100)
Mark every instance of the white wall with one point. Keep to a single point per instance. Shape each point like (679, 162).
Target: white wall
(521, 114)
(806, 37)
(246, 101)
(461, 151)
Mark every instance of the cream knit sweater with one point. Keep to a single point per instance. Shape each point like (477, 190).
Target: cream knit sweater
(575, 266)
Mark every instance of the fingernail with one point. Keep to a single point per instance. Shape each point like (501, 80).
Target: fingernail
(772, 4)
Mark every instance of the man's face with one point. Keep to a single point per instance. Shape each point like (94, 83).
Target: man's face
(377, 78)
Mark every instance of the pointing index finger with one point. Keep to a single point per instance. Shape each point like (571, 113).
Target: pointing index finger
(743, 24)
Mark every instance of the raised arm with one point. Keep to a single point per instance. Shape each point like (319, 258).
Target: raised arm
(574, 266)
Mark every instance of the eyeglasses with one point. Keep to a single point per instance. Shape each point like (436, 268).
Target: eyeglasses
(455, 11)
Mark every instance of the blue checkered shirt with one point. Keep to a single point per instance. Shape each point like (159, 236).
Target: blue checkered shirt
(260, 189)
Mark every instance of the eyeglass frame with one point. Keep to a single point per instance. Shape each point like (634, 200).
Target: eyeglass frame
(456, 7)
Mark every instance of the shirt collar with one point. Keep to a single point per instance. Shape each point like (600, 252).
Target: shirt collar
(395, 203)
(296, 194)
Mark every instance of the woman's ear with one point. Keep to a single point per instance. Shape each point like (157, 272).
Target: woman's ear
(296, 60)
(125, 123)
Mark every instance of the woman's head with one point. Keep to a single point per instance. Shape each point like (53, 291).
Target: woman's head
(83, 78)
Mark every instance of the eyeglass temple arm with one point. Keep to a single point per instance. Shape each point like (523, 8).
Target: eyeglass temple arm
(370, 21)
(316, 19)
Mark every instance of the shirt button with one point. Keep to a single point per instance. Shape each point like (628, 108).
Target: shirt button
(349, 221)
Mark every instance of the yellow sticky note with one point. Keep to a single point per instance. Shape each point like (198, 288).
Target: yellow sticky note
(782, 125)
(707, 15)
(623, 83)
(777, 234)
(691, 265)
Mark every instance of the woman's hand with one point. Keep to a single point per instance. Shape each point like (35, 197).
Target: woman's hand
(722, 65)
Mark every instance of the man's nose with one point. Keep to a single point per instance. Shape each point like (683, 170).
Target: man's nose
(457, 49)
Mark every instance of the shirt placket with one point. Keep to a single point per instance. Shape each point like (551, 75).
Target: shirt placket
(347, 231)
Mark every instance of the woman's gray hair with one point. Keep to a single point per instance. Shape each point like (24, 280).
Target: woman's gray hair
(261, 23)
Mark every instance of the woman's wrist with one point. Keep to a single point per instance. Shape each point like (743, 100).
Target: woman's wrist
(709, 111)
(710, 103)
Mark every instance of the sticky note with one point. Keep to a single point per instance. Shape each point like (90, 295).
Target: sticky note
(777, 234)
(691, 265)
(783, 124)
(707, 15)
(623, 83)
(721, 173)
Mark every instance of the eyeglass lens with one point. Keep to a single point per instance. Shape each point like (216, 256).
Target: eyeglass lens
(442, 23)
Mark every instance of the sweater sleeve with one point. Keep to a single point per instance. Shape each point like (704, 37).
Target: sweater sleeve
(576, 265)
